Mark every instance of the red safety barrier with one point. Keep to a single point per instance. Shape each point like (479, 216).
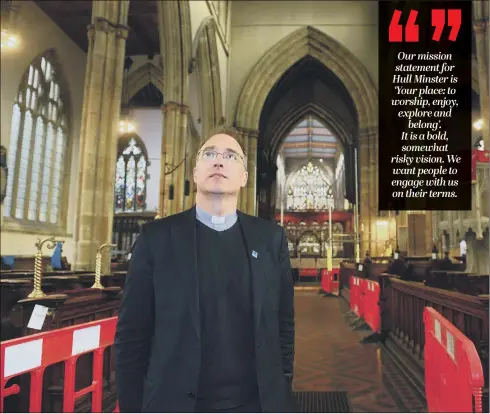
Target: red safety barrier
(308, 272)
(330, 281)
(371, 308)
(478, 156)
(453, 370)
(34, 353)
(356, 294)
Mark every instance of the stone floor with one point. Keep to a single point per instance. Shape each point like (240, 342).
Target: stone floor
(329, 357)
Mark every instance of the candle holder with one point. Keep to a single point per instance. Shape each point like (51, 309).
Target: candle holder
(98, 265)
(38, 267)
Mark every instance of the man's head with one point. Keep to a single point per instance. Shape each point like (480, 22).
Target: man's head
(221, 165)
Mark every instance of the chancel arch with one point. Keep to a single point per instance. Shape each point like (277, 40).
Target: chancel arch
(307, 41)
(308, 50)
(39, 148)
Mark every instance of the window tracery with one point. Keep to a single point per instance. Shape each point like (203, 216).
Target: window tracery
(131, 176)
(309, 190)
(38, 146)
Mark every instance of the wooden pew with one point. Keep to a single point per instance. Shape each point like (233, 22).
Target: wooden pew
(457, 281)
(402, 305)
(66, 308)
(26, 263)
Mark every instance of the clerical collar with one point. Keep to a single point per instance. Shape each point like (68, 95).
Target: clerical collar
(218, 223)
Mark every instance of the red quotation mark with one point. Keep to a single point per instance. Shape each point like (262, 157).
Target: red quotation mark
(453, 21)
(395, 31)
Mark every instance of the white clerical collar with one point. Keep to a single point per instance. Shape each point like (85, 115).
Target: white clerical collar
(218, 223)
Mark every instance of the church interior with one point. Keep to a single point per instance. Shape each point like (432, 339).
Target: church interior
(104, 105)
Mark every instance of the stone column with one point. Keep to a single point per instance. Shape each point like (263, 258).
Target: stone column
(107, 35)
(368, 183)
(174, 27)
(247, 197)
(173, 154)
(481, 35)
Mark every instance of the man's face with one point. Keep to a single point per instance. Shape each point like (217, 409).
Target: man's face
(220, 166)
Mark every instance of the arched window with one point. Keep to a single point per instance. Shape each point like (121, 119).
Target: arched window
(131, 175)
(308, 190)
(38, 146)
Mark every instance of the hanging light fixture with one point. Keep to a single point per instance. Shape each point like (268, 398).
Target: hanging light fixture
(9, 38)
(478, 125)
(125, 124)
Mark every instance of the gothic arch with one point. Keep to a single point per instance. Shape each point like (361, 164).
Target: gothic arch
(299, 44)
(145, 74)
(125, 139)
(40, 144)
(130, 187)
(206, 61)
(296, 114)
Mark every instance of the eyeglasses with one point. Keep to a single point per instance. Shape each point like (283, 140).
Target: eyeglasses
(211, 155)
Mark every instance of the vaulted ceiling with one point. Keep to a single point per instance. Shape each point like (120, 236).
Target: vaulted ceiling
(310, 139)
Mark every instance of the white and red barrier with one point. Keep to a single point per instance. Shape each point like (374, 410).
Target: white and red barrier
(453, 370)
(364, 301)
(33, 354)
(330, 281)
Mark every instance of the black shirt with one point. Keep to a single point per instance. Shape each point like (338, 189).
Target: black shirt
(228, 375)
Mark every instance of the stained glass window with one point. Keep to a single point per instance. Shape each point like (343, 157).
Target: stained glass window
(308, 190)
(131, 175)
(37, 147)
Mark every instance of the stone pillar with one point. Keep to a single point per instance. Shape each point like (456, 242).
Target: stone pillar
(174, 27)
(173, 154)
(247, 197)
(368, 183)
(107, 35)
(481, 35)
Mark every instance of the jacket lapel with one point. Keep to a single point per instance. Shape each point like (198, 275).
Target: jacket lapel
(256, 256)
(184, 239)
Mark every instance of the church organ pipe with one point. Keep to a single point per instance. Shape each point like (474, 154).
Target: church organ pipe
(37, 292)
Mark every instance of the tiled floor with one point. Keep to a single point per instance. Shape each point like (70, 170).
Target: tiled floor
(329, 356)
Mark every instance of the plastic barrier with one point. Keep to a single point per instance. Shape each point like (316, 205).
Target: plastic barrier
(453, 370)
(371, 308)
(308, 272)
(478, 156)
(330, 281)
(356, 293)
(34, 353)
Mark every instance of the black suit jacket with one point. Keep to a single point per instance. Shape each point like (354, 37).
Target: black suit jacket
(157, 344)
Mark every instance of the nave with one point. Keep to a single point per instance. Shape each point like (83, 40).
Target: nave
(330, 357)
(385, 364)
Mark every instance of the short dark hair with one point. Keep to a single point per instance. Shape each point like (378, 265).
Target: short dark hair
(231, 132)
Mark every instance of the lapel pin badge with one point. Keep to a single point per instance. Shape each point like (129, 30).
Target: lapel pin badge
(255, 254)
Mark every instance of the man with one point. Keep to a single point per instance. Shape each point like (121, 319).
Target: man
(207, 319)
